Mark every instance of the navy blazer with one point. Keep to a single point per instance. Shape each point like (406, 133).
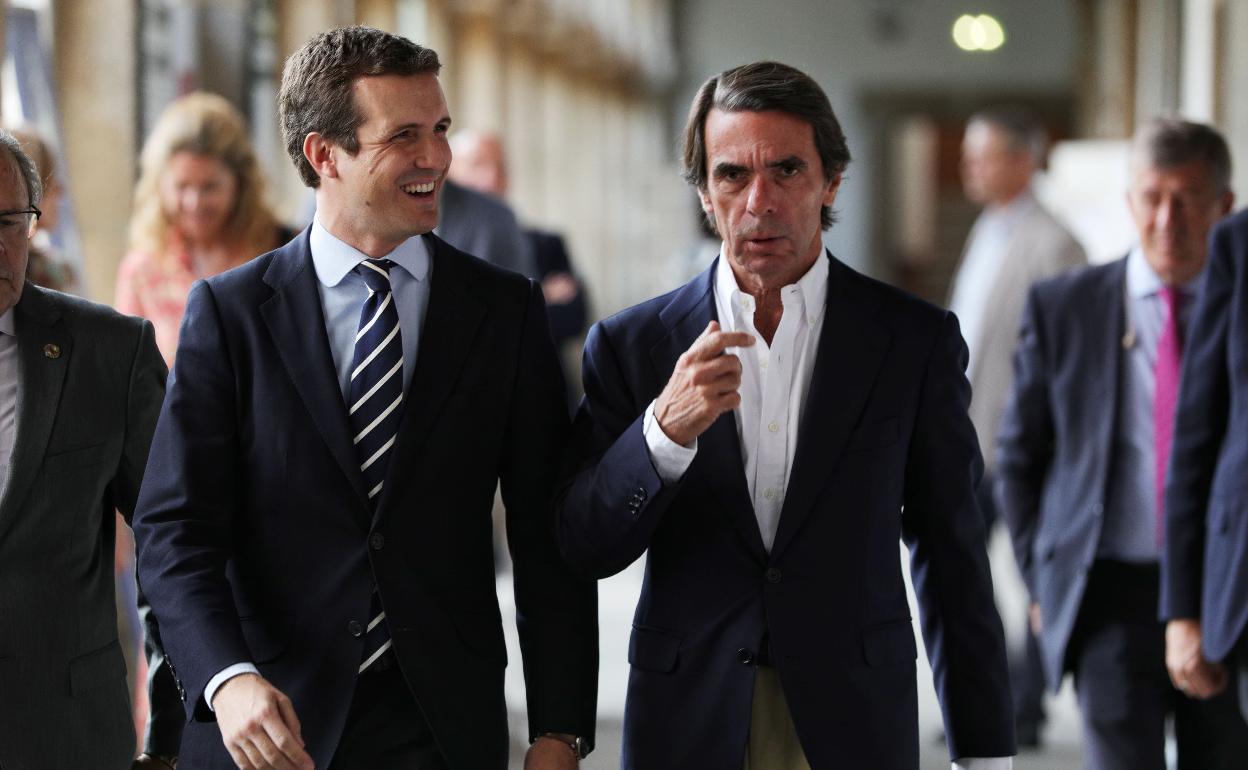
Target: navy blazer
(1056, 441)
(885, 426)
(256, 541)
(1205, 566)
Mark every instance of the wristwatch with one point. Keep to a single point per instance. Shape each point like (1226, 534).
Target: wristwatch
(579, 746)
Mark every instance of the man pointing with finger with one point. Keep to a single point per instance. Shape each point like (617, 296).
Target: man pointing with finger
(768, 432)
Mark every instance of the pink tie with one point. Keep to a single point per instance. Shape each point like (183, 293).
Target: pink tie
(1166, 394)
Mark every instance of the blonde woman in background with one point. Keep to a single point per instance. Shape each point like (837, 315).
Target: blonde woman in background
(199, 210)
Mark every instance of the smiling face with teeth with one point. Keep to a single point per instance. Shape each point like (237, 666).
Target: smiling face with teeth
(387, 191)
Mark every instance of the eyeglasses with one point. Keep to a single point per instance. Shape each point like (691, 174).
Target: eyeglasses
(22, 222)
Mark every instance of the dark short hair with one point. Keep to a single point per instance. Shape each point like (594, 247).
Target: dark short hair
(761, 87)
(1021, 128)
(26, 166)
(1166, 142)
(316, 93)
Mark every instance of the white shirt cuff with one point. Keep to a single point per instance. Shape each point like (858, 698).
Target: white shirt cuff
(670, 459)
(227, 673)
(980, 763)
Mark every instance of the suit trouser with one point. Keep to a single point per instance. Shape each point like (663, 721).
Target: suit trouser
(772, 744)
(1117, 654)
(385, 727)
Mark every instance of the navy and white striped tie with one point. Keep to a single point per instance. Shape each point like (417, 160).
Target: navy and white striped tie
(375, 405)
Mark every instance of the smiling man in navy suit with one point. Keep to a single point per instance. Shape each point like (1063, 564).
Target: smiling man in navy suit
(314, 528)
(769, 431)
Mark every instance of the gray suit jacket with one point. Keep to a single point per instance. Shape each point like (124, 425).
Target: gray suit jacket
(1040, 247)
(484, 227)
(90, 386)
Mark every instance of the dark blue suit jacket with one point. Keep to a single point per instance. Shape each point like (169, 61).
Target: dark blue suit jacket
(885, 426)
(1056, 442)
(256, 542)
(1205, 568)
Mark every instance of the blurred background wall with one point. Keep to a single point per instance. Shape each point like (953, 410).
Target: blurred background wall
(591, 95)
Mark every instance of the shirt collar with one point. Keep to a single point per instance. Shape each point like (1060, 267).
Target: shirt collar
(6, 323)
(811, 290)
(1143, 282)
(333, 258)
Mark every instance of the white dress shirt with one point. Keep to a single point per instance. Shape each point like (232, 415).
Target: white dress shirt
(977, 275)
(342, 293)
(775, 380)
(8, 393)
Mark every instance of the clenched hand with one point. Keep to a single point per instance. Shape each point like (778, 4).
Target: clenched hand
(259, 726)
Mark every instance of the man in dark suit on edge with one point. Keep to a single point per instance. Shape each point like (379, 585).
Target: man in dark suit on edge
(768, 432)
(1205, 565)
(314, 528)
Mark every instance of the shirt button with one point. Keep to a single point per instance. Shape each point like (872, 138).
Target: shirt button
(377, 541)
(355, 629)
(769, 493)
(773, 426)
(1097, 509)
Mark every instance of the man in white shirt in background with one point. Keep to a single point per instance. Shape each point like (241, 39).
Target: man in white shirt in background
(1014, 243)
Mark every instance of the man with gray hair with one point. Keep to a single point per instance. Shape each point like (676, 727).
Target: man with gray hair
(1082, 458)
(80, 388)
(767, 433)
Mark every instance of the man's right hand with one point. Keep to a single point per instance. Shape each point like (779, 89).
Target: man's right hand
(703, 386)
(1190, 672)
(259, 726)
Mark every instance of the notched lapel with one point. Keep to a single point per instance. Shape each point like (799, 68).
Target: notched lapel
(718, 462)
(44, 349)
(851, 350)
(451, 322)
(296, 322)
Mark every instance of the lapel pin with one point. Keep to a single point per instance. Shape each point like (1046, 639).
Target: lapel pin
(52, 350)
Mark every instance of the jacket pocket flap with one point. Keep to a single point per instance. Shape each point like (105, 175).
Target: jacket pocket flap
(266, 635)
(96, 668)
(889, 644)
(653, 649)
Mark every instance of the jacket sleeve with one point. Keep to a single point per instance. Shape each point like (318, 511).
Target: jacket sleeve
(1200, 426)
(612, 498)
(185, 511)
(556, 610)
(1025, 443)
(944, 530)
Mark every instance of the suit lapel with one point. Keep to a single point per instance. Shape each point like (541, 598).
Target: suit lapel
(297, 325)
(1105, 332)
(718, 462)
(44, 347)
(852, 346)
(451, 321)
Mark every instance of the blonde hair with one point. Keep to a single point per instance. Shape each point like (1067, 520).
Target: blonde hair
(203, 124)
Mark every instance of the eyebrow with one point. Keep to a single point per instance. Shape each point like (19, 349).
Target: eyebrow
(791, 161)
(724, 167)
(390, 130)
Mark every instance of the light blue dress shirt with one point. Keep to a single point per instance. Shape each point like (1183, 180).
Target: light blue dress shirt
(1130, 530)
(343, 291)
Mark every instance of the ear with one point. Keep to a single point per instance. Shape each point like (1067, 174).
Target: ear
(1226, 202)
(829, 191)
(320, 153)
(705, 197)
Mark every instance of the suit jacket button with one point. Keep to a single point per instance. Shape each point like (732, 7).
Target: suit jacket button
(377, 541)
(355, 628)
(772, 574)
(745, 656)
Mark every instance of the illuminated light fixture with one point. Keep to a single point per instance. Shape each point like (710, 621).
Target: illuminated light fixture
(978, 33)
